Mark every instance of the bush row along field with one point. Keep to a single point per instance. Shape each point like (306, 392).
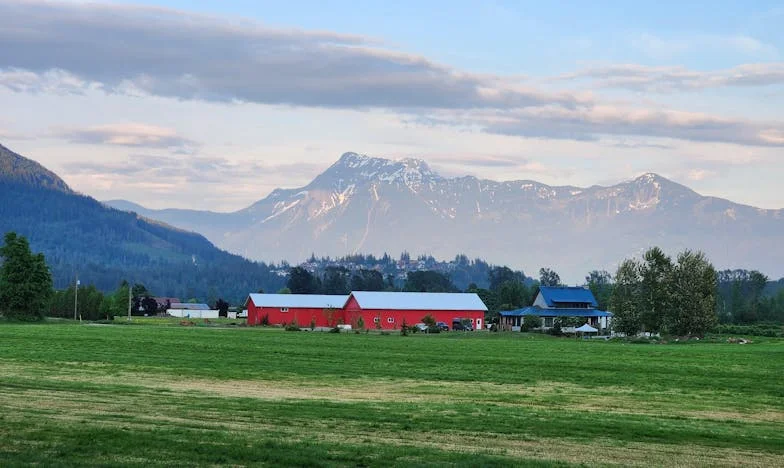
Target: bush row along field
(143, 395)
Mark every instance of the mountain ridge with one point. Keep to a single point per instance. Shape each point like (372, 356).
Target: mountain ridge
(15, 168)
(102, 245)
(375, 205)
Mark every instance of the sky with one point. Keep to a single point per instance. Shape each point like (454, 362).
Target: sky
(213, 104)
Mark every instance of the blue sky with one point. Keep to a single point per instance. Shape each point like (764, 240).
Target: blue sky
(534, 37)
(139, 100)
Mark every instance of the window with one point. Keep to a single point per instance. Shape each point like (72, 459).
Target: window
(548, 321)
(376, 319)
(390, 319)
(284, 309)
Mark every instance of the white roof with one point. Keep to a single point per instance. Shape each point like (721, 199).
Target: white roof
(418, 301)
(586, 328)
(309, 301)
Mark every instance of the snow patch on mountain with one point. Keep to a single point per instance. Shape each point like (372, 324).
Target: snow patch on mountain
(280, 208)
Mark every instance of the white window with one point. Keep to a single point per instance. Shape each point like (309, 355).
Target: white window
(284, 309)
(390, 319)
(376, 319)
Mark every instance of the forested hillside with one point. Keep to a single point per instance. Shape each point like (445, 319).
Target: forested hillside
(79, 235)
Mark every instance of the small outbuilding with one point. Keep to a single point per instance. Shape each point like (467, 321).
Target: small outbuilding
(192, 310)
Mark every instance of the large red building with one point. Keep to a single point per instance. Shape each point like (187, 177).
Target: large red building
(304, 309)
(391, 309)
(386, 310)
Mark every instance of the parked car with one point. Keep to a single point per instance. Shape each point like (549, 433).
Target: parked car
(442, 326)
(421, 327)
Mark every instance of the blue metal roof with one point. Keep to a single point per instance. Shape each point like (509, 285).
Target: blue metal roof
(538, 311)
(574, 294)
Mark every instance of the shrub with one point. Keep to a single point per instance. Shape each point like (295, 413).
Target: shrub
(293, 326)
(404, 328)
(429, 320)
(530, 322)
(335, 329)
(312, 324)
(265, 320)
(761, 329)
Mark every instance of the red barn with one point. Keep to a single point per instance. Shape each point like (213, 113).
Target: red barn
(391, 309)
(304, 309)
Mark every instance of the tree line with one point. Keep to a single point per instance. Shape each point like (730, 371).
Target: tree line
(653, 294)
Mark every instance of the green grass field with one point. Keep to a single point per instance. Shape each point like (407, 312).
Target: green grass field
(169, 395)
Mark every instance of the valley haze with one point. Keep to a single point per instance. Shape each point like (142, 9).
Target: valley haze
(364, 204)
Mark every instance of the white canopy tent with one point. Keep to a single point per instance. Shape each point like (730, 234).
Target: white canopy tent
(586, 328)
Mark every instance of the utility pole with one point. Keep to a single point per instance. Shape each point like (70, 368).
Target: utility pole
(76, 296)
(130, 296)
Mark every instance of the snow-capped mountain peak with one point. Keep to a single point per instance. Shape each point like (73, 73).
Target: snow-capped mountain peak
(366, 204)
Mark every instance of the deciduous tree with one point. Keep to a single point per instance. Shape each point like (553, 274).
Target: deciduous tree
(692, 309)
(548, 277)
(625, 302)
(655, 278)
(600, 284)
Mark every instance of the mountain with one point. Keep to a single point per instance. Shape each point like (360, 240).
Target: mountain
(15, 169)
(375, 205)
(103, 245)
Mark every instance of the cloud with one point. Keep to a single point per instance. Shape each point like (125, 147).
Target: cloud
(128, 134)
(136, 49)
(163, 170)
(480, 162)
(50, 81)
(700, 174)
(631, 144)
(589, 124)
(668, 79)
(74, 47)
(6, 134)
(671, 47)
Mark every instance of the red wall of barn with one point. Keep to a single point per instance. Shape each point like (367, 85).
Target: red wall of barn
(353, 312)
(303, 316)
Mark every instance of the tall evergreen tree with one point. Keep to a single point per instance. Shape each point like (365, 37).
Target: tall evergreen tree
(428, 281)
(335, 280)
(25, 281)
(301, 281)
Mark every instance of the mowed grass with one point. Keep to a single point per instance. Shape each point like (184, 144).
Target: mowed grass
(152, 395)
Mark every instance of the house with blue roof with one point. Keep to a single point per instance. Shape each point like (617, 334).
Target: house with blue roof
(552, 303)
